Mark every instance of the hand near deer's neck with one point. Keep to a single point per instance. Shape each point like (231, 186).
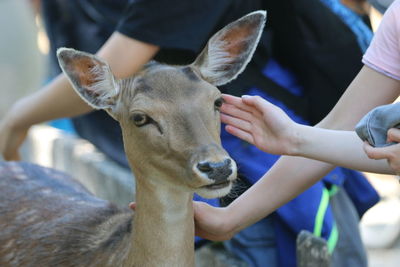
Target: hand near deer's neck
(170, 123)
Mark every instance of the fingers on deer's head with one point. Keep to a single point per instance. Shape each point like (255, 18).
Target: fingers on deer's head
(170, 114)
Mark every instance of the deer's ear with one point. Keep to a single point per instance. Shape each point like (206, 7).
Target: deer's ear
(229, 50)
(90, 76)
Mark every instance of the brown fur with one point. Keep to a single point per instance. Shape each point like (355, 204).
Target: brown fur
(170, 125)
(48, 219)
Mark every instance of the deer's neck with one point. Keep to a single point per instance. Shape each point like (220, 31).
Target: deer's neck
(163, 226)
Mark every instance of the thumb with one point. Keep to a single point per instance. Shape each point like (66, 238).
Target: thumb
(376, 152)
(393, 135)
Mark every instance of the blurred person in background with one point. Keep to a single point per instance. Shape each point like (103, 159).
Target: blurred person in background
(307, 56)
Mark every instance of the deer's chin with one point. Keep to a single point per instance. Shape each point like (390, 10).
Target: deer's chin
(215, 191)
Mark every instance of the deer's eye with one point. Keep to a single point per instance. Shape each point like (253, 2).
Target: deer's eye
(218, 103)
(140, 119)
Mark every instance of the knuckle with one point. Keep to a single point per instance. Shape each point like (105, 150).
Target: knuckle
(393, 133)
(370, 156)
(390, 133)
(370, 153)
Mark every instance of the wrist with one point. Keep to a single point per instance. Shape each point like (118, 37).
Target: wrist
(231, 222)
(296, 140)
(305, 141)
(16, 118)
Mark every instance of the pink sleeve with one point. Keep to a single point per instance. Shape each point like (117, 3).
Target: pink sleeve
(383, 54)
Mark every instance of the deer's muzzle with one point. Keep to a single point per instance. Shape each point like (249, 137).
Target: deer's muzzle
(217, 171)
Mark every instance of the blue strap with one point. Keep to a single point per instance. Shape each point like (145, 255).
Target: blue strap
(354, 21)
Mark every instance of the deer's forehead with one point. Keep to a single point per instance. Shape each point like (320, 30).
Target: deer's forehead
(170, 83)
(171, 80)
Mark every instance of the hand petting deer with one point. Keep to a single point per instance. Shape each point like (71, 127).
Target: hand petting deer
(170, 122)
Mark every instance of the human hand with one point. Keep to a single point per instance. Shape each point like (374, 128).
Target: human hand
(212, 223)
(11, 138)
(390, 153)
(260, 123)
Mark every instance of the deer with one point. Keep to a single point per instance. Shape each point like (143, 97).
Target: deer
(170, 123)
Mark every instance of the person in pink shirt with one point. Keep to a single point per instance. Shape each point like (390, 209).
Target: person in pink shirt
(383, 54)
(311, 152)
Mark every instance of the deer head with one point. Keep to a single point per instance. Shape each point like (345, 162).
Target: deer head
(170, 114)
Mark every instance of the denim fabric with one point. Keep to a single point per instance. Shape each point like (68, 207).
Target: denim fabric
(374, 125)
(256, 244)
(349, 250)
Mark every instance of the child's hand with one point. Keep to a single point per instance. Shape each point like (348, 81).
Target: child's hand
(212, 223)
(390, 153)
(260, 123)
(11, 139)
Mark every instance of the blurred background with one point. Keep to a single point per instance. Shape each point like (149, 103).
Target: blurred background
(23, 56)
(23, 50)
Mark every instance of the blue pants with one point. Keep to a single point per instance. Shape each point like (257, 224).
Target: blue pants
(256, 244)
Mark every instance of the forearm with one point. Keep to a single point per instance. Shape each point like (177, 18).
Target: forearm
(125, 55)
(368, 90)
(341, 148)
(289, 177)
(58, 99)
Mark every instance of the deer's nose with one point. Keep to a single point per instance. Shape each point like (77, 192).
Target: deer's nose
(217, 171)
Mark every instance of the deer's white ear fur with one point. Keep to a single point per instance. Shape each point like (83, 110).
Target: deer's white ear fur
(229, 50)
(91, 78)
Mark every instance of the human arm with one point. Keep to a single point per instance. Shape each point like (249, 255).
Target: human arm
(341, 148)
(263, 124)
(57, 99)
(179, 28)
(390, 153)
(291, 175)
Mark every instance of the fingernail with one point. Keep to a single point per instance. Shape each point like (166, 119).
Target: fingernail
(245, 96)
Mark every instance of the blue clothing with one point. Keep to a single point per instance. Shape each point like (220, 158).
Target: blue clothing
(310, 210)
(301, 212)
(362, 32)
(257, 244)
